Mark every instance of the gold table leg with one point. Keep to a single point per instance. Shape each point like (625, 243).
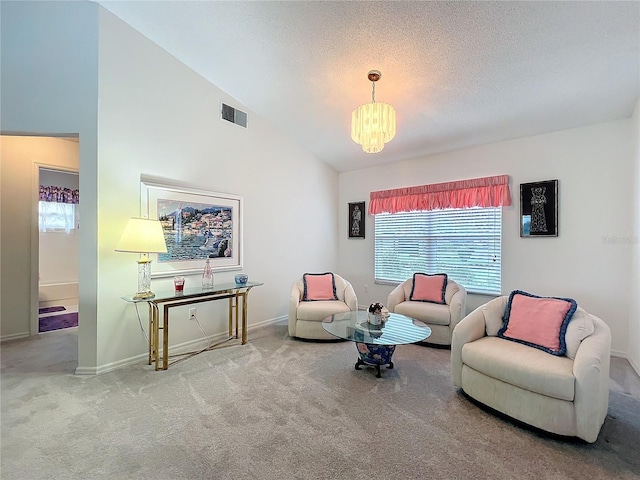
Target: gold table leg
(156, 335)
(150, 305)
(244, 318)
(165, 338)
(230, 316)
(237, 312)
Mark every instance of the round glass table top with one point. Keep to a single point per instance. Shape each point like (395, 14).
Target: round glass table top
(397, 330)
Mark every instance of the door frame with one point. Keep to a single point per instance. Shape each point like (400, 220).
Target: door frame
(34, 325)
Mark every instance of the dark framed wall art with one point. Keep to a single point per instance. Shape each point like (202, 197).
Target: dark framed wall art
(356, 217)
(539, 209)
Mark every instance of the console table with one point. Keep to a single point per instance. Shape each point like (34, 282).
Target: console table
(232, 291)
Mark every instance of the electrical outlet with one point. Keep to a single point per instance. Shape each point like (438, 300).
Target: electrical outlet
(366, 288)
(192, 314)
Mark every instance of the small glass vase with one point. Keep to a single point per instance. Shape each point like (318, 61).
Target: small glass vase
(207, 275)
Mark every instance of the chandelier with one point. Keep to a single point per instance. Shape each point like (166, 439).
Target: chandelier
(373, 124)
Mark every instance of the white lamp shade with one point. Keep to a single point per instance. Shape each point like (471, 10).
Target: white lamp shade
(142, 235)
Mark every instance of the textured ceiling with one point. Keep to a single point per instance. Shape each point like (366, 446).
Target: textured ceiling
(458, 73)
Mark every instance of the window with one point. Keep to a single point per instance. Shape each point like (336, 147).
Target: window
(463, 243)
(55, 217)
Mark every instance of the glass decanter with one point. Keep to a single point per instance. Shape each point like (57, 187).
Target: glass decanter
(207, 275)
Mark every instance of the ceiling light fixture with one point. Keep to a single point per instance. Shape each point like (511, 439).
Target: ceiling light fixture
(373, 124)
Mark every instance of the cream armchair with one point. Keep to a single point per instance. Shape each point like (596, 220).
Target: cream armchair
(305, 317)
(559, 394)
(441, 318)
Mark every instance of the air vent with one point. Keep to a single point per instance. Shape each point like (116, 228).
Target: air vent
(234, 115)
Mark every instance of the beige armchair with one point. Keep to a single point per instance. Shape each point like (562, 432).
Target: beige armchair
(559, 394)
(305, 317)
(441, 318)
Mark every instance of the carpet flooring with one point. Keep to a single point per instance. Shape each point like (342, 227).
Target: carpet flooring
(279, 408)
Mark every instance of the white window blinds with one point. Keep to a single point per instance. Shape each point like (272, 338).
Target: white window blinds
(463, 243)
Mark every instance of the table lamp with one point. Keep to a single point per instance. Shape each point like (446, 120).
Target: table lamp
(144, 236)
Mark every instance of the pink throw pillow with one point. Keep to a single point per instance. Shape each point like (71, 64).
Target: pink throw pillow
(429, 288)
(539, 322)
(319, 286)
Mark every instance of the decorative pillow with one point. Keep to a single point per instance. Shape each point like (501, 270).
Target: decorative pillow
(540, 322)
(429, 288)
(319, 286)
(580, 327)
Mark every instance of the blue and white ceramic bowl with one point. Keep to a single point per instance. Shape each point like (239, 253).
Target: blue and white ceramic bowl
(241, 279)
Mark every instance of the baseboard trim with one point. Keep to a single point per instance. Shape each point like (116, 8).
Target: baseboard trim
(175, 349)
(634, 365)
(14, 336)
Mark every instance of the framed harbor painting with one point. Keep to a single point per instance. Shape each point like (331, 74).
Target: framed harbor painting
(539, 209)
(197, 225)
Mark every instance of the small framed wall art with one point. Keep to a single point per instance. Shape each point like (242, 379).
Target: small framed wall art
(355, 218)
(539, 209)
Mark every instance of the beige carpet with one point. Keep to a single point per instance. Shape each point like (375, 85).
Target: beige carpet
(278, 408)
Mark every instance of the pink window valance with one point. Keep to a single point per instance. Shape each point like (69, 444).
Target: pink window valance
(476, 192)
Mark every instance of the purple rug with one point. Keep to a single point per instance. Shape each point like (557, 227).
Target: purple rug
(50, 309)
(56, 322)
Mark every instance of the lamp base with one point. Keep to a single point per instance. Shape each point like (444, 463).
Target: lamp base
(144, 278)
(144, 295)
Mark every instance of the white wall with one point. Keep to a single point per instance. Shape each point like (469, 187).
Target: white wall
(584, 262)
(60, 178)
(58, 257)
(157, 118)
(634, 291)
(49, 84)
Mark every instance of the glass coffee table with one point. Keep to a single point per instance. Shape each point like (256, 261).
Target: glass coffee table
(376, 343)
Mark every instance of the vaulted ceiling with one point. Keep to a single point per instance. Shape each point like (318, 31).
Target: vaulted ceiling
(459, 73)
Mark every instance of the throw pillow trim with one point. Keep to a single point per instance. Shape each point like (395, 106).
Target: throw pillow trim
(563, 327)
(304, 282)
(444, 287)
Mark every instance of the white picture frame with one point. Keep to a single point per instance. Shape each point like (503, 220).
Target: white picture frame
(197, 223)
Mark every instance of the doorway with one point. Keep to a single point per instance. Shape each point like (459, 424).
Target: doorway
(21, 157)
(58, 224)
